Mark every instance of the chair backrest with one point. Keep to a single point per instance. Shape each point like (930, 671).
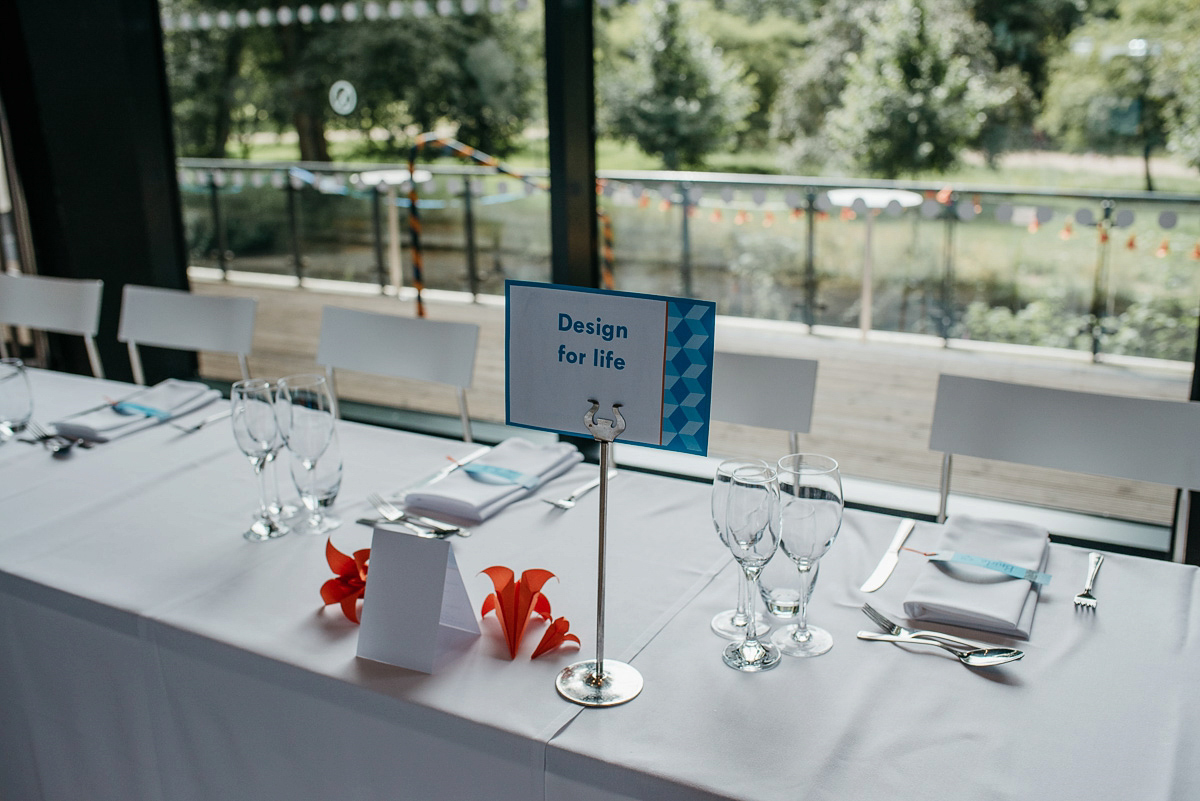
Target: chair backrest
(400, 347)
(173, 318)
(764, 391)
(61, 305)
(1108, 435)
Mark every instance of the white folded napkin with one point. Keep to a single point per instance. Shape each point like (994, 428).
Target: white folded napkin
(157, 404)
(510, 472)
(976, 597)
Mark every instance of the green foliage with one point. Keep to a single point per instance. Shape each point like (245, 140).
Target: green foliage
(675, 96)
(1048, 322)
(917, 86)
(1161, 327)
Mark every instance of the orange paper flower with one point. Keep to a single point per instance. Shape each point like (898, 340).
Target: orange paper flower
(556, 634)
(351, 582)
(515, 601)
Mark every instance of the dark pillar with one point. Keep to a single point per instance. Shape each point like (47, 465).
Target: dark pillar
(85, 93)
(571, 109)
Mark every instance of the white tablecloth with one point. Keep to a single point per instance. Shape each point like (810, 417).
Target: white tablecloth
(148, 651)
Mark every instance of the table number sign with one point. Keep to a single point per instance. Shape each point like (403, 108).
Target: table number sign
(649, 354)
(416, 612)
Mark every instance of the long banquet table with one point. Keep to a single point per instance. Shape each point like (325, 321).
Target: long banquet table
(148, 651)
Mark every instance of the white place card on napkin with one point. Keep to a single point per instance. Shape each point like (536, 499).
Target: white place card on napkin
(159, 403)
(512, 471)
(416, 612)
(975, 597)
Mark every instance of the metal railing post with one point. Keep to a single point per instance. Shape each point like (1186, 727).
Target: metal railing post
(810, 264)
(377, 239)
(1100, 278)
(946, 323)
(294, 229)
(219, 238)
(685, 253)
(469, 231)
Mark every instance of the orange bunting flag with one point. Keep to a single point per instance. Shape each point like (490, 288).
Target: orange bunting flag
(1196, 251)
(976, 204)
(514, 602)
(1163, 249)
(716, 215)
(664, 205)
(556, 634)
(848, 213)
(945, 195)
(1103, 236)
(1131, 242)
(1066, 231)
(796, 214)
(740, 218)
(351, 582)
(691, 211)
(1034, 225)
(643, 201)
(768, 219)
(822, 215)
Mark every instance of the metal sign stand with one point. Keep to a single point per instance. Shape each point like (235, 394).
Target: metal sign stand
(596, 682)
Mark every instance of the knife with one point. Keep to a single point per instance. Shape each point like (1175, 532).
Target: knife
(890, 557)
(445, 471)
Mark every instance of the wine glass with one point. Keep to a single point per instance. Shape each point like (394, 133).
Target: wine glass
(752, 534)
(320, 490)
(254, 430)
(731, 623)
(305, 410)
(16, 399)
(282, 511)
(810, 500)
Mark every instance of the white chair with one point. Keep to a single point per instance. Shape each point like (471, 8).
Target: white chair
(765, 391)
(400, 347)
(173, 318)
(60, 305)
(1107, 435)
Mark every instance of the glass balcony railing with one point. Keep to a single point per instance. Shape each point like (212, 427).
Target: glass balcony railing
(1110, 273)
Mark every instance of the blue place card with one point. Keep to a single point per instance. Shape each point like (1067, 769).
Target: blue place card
(651, 354)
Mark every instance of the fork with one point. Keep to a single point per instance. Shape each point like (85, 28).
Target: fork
(394, 514)
(55, 443)
(1085, 600)
(901, 631)
(570, 501)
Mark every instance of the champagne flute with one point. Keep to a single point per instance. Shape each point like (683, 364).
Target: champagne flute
(305, 407)
(254, 430)
(811, 504)
(752, 534)
(318, 496)
(731, 623)
(16, 399)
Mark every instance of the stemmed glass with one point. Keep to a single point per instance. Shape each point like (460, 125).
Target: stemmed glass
(810, 490)
(320, 490)
(752, 534)
(255, 429)
(305, 411)
(731, 623)
(16, 399)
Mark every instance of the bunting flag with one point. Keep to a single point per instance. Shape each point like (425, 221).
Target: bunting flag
(1066, 231)
(1163, 249)
(1131, 242)
(414, 215)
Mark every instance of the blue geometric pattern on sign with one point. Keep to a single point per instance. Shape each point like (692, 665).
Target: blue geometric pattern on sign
(687, 377)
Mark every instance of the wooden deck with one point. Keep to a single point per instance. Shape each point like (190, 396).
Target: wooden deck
(873, 406)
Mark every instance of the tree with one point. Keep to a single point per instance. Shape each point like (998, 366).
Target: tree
(917, 87)
(676, 97)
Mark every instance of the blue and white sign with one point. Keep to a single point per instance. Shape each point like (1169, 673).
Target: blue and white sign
(651, 354)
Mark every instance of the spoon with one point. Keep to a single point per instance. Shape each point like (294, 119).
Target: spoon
(974, 657)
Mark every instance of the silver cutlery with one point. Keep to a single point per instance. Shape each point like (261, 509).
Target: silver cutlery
(1085, 599)
(445, 471)
(890, 627)
(57, 444)
(394, 514)
(974, 657)
(890, 558)
(583, 489)
(188, 429)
